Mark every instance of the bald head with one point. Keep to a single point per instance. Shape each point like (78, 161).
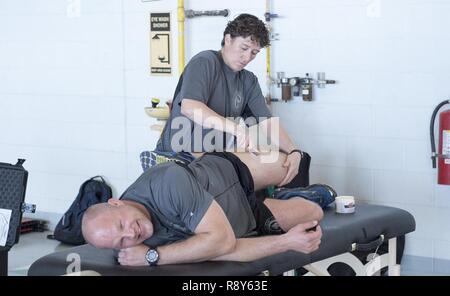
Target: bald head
(116, 224)
(94, 221)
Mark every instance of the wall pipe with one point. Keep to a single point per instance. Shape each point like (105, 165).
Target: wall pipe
(268, 70)
(181, 19)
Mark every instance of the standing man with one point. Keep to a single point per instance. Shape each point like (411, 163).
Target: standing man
(215, 90)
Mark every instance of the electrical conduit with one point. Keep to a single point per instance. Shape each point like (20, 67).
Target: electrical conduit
(181, 36)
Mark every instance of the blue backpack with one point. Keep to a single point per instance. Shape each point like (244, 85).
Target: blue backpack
(68, 229)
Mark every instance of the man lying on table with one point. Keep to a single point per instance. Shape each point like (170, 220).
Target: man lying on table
(207, 210)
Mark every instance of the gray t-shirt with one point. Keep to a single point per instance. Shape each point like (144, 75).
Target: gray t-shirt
(177, 199)
(208, 79)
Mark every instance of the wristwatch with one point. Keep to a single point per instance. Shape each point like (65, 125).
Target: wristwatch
(152, 257)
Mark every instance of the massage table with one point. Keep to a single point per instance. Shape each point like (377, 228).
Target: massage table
(366, 229)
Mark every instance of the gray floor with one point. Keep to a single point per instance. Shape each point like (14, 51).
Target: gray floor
(31, 247)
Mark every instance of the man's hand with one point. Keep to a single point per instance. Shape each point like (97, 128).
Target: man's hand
(133, 256)
(241, 137)
(292, 163)
(302, 240)
(244, 140)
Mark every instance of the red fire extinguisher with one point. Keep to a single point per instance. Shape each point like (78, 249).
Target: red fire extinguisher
(443, 154)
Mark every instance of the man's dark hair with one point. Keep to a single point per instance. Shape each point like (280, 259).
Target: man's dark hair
(245, 25)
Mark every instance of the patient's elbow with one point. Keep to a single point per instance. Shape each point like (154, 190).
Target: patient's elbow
(227, 244)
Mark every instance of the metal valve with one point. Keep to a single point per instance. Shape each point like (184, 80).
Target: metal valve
(300, 86)
(306, 85)
(322, 82)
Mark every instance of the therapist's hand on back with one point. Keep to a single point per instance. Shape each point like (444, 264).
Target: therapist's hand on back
(244, 140)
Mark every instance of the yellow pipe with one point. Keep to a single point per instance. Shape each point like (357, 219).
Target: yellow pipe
(180, 36)
(268, 63)
(268, 73)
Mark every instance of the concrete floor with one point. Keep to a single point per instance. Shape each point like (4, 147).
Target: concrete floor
(31, 247)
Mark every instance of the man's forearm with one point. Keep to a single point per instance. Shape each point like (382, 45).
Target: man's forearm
(206, 117)
(200, 247)
(254, 248)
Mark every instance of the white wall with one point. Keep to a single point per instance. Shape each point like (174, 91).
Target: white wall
(73, 87)
(368, 135)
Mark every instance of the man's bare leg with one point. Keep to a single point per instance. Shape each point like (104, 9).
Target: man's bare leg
(266, 168)
(294, 211)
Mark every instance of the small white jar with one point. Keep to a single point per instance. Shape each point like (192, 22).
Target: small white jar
(345, 204)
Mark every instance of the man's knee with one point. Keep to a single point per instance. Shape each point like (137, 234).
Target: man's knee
(315, 212)
(318, 212)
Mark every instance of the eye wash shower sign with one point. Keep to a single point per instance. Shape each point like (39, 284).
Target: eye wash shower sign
(160, 59)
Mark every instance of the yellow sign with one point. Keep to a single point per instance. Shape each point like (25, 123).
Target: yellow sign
(160, 59)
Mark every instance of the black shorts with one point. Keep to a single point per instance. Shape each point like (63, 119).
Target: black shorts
(265, 220)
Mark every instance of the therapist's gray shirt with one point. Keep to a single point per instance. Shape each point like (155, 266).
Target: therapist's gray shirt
(208, 79)
(173, 195)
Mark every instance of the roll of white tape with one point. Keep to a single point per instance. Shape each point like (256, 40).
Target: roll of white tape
(345, 204)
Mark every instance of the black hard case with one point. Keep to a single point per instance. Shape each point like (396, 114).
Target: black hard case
(13, 184)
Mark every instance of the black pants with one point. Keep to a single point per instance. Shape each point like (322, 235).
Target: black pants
(302, 178)
(265, 220)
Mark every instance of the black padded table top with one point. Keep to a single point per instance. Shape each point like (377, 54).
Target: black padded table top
(340, 231)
